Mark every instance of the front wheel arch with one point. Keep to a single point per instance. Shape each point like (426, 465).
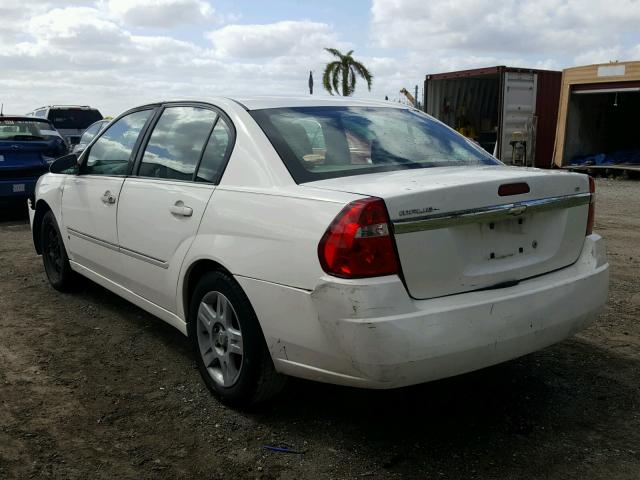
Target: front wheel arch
(42, 208)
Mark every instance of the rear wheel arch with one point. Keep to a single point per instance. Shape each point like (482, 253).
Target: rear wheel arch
(42, 207)
(222, 326)
(193, 275)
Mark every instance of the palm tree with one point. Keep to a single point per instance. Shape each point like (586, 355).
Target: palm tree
(343, 73)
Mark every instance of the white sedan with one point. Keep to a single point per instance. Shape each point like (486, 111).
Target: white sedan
(351, 242)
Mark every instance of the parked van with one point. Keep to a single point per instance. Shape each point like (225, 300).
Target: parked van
(69, 120)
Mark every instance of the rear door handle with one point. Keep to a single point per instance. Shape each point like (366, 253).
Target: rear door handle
(181, 209)
(108, 198)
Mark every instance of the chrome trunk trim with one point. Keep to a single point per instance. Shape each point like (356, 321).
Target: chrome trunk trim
(488, 214)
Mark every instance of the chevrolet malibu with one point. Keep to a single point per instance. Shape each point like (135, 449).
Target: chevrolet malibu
(351, 242)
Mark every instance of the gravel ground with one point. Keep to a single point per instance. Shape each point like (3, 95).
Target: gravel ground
(93, 387)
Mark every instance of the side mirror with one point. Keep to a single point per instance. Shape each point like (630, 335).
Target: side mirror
(67, 165)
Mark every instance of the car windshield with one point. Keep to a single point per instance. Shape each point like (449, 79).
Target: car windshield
(327, 142)
(24, 129)
(73, 118)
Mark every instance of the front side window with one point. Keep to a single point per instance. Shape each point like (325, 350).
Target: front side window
(177, 142)
(327, 142)
(111, 153)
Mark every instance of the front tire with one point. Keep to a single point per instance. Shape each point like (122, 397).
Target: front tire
(54, 255)
(228, 343)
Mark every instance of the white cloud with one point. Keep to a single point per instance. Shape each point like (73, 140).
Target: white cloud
(162, 13)
(272, 40)
(600, 55)
(526, 27)
(442, 35)
(115, 53)
(86, 55)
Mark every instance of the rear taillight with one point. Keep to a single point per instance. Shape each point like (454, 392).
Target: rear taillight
(358, 242)
(592, 206)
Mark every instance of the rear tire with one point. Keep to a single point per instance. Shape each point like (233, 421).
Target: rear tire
(228, 343)
(54, 255)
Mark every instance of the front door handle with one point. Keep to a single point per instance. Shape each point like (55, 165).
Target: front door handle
(181, 209)
(108, 198)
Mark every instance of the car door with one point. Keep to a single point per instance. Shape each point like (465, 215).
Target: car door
(162, 205)
(90, 199)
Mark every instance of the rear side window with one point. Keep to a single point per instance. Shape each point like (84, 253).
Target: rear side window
(111, 153)
(41, 113)
(177, 142)
(217, 151)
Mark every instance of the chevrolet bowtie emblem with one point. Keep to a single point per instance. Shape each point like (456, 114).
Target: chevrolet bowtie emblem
(517, 210)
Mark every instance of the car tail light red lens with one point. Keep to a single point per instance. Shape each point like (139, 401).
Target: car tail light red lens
(358, 242)
(592, 206)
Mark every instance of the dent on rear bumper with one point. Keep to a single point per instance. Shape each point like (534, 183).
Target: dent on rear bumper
(370, 333)
(404, 342)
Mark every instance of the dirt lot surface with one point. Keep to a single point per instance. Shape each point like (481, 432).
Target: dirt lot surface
(93, 387)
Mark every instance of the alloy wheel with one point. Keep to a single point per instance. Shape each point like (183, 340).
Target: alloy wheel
(220, 339)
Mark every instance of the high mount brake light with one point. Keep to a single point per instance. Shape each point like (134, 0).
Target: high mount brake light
(592, 206)
(513, 189)
(358, 242)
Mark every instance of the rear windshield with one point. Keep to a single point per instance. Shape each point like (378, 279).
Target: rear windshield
(327, 142)
(25, 130)
(73, 118)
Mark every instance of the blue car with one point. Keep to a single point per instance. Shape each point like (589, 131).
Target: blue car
(27, 147)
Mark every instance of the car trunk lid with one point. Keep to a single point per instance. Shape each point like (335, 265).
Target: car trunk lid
(455, 233)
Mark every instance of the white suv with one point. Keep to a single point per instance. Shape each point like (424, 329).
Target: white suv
(351, 242)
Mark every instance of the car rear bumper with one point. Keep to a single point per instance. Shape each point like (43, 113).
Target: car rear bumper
(372, 334)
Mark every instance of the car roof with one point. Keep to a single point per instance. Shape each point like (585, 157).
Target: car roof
(83, 107)
(263, 102)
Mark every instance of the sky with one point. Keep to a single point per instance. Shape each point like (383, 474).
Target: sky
(116, 54)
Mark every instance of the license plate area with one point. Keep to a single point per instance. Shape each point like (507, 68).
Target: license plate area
(509, 238)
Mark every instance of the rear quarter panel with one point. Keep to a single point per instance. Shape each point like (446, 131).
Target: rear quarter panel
(267, 236)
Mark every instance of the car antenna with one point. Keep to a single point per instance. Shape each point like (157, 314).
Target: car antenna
(1, 109)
